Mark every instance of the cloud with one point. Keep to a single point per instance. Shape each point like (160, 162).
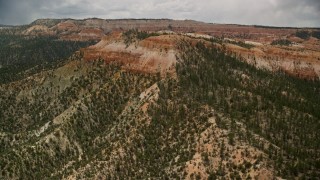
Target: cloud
(267, 12)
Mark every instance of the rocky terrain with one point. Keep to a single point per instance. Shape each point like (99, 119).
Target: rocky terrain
(299, 58)
(158, 99)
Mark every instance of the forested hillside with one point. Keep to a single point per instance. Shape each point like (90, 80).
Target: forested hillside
(19, 53)
(215, 117)
(281, 109)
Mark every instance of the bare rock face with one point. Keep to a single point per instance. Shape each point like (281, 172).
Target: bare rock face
(94, 33)
(38, 30)
(151, 55)
(67, 26)
(295, 61)
(85, 35)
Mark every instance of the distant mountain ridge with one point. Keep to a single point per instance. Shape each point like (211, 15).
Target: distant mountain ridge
(255, 40)
(2, 25)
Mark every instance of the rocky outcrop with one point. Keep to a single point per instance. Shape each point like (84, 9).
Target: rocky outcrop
(151, 55)
(297, 62)
(38, 30)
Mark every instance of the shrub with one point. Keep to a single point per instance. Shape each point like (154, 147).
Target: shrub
(303, 34)
(281, 42)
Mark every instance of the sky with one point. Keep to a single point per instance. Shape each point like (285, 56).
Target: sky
(289, 13)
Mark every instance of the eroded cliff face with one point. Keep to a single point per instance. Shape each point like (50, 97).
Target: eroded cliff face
(301, 59)
(151, 55)
(295, 61)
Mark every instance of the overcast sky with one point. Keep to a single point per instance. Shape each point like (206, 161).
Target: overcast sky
(301, 13)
